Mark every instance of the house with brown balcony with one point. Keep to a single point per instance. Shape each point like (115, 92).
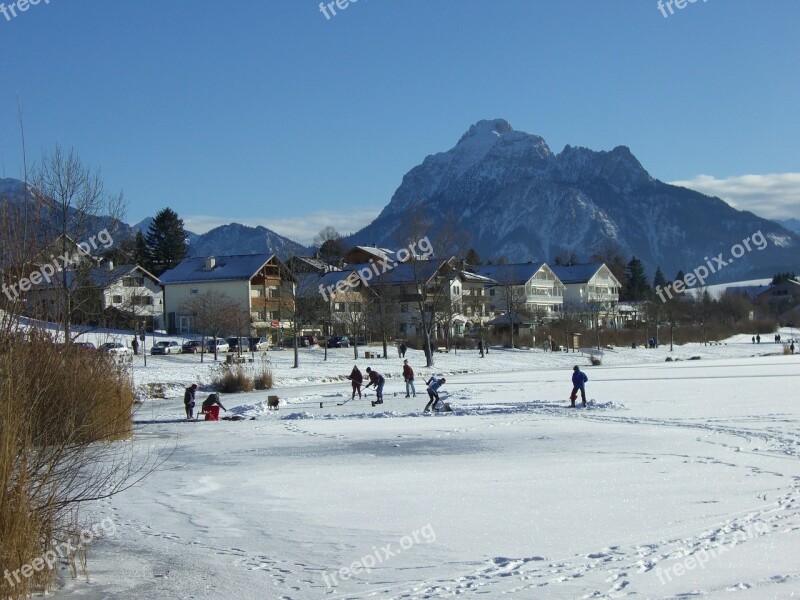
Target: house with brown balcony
(259, 283)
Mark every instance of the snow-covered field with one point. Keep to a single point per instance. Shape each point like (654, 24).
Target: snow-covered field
(679, 480)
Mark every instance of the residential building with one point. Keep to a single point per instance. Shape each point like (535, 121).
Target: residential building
(532, 288)
(261, 283)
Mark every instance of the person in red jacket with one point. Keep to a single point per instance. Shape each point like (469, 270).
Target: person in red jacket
(356, 379)
(408, 376)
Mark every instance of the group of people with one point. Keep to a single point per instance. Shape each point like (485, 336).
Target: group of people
(210, 407)
(378, 380)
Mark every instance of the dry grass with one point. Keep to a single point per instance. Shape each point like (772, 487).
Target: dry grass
(263, 378)
(57, 407)
(233, 379)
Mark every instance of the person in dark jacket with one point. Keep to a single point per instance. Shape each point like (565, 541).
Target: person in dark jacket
(408, 376)
(433, 392)
(378, 381)
(403, 349)
(211, 406)
(356, 379)
(579, 380)
(188, 400)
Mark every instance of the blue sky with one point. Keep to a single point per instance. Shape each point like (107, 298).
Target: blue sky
(267, 112)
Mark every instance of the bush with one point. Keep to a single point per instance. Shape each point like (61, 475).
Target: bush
(787, 350)
(263, 378)
(58, 405)
(595, 360)
(233, 379)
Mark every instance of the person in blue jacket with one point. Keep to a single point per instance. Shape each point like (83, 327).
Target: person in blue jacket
(433, 392)
(579, 380)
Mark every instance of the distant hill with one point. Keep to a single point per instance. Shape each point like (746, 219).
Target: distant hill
(224, 240)
(791, 224)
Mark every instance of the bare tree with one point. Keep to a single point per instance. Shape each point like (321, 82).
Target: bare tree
(510, 296)
(214, 314)
(429, 270)
(75, 208)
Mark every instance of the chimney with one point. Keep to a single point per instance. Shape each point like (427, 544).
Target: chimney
(211, 262)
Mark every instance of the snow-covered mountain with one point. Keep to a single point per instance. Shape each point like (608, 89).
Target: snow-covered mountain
(221, 241)
(241, 239)
(515, 198)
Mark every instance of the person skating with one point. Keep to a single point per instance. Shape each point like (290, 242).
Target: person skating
(135, 346)
(579, 380)
(378, 381)
(188, 400)
(403, 349)
(356, 379)
(408, 376)
(433, 392)
(211, 406)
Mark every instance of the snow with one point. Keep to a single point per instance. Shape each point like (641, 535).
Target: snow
(680, 479)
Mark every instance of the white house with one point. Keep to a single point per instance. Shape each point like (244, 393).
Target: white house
(535, 286)
(127, 294)
(591, 287)
(259, 282)
(131, 290)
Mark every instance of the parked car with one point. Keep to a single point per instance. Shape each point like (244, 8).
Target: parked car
(115, 349)
(217, 346)
(234, 343)
(258, 343)
(85, 346)
(166, 348)
(339, 341)
(193, 347)
(302, 342)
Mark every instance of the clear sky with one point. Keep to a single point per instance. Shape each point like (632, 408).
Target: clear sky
(267, 112)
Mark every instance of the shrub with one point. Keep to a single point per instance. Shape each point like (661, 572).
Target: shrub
(233, 379)
(58, 406)
(263, 378)
(786, 349)
(595, 360)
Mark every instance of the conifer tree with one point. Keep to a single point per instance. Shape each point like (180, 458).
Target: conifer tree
(636, 287)
(166, 240)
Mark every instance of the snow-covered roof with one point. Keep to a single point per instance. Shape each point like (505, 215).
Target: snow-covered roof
(511, 274)
(577, 273)
(226, 268)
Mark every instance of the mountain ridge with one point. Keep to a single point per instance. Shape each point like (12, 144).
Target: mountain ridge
(518, 200)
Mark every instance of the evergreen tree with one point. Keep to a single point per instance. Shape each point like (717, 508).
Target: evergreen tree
(659, 281)
(781, 277)
(636, 287)
(679, 276)
(166, 240)
(472, 257)
(141, 253)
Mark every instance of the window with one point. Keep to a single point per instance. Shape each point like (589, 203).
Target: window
(132, 281)
(142, 300)
(116, 299)
(193, 291)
